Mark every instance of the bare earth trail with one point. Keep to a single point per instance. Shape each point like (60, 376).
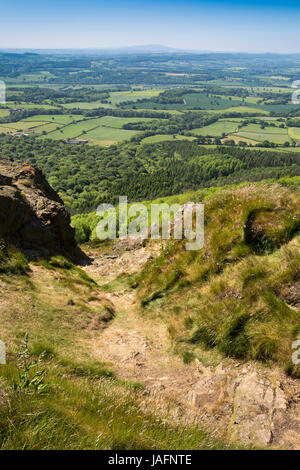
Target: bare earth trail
(138, 347)
(239, 401)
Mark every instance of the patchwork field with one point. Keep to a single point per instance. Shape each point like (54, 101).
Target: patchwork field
(199, 97)
(109, 130)
(39, 124)
(206, 101)
(104, 131)
(72, 131)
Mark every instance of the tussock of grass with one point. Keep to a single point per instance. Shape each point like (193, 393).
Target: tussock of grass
(57, 309)
(73, 273)
(120, 283)
(12, 260)
(89, 369)
(86, 411)
(42, 348)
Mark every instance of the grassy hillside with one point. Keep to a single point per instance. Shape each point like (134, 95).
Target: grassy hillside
(239, 294)
(53, 393)
(85, 224)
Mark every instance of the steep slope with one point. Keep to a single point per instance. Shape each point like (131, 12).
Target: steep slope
(55, 392)
(240, 294)
(230, 311)
(246, 402)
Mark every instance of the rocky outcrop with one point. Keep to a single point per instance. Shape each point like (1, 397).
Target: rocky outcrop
(257, 406)
(32, 215)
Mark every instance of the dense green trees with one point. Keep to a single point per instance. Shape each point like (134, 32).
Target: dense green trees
(39, 95)
(88, 175)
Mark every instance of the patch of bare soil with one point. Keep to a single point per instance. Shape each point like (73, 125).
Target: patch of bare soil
(126, 257)
(291, 294)
(243, 402)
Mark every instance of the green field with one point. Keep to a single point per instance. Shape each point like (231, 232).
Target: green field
(153, 139)
(118, 122)
(72, 131)
(241, 110)
(105, 130)
(117, 97)
(258, 90)
(86, 105)
(35, 77)
(205, 101)
(109, 134)
(39, 124)
(11, 104)
(272, 134)
(217, 129)
(294, 133)
(56, 118)
(280, 108)
(21, 126)
(4, 112)
(47, 127)
(191, 101)
(6, 130)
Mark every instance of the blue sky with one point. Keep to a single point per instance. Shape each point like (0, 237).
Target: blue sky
(253, 26)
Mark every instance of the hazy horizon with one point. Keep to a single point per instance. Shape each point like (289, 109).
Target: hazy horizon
(217, 26)
(143, 47)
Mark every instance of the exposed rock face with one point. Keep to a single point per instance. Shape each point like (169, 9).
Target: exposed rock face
(257, 402)
(32, 215)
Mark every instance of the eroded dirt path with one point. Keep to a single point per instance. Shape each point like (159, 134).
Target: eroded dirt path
(137, 345)
(242, 402)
